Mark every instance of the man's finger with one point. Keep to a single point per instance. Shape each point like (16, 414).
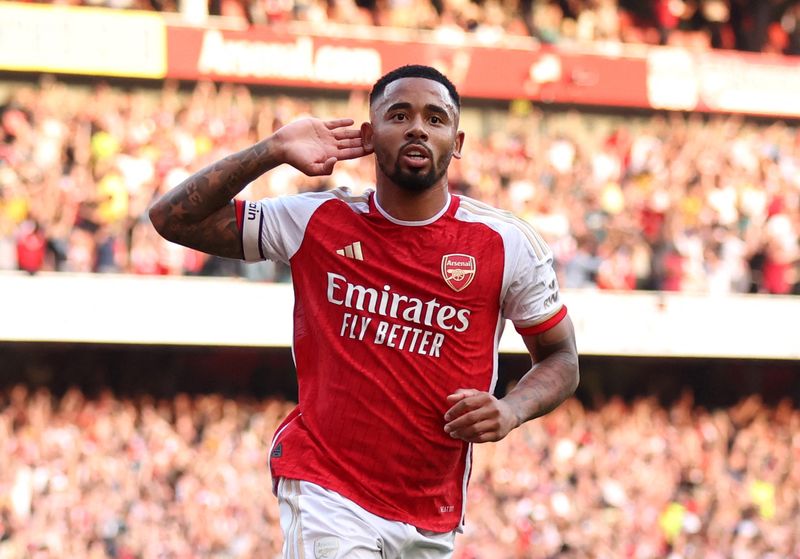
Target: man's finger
(465, 401)
(338, 123)
(320, 169)
(455, 398)
(462, 393)
(485, 430)
(470, 418)
(346, 133)
(459, 409)
(351, 153)
(348, 143)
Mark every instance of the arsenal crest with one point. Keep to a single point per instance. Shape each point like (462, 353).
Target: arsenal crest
(458, 270)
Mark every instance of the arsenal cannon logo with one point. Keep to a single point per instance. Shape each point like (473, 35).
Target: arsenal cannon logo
(458, 270)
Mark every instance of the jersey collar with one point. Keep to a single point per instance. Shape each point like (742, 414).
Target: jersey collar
(405, 223)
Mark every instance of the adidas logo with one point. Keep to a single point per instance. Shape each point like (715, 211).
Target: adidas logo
(352, 251)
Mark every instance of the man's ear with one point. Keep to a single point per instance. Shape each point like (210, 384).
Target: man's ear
(459, 143)
(366, 137)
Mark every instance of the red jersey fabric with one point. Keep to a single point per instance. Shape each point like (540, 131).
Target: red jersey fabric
(390, 317)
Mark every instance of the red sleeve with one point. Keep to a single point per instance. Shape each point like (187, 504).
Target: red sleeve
(544, 326)
(239, 213)
(239, 207)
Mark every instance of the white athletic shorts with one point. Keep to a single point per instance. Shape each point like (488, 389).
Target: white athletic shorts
(321, 524)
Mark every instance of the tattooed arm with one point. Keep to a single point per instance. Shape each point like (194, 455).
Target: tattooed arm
(479, 417)
(199, 212)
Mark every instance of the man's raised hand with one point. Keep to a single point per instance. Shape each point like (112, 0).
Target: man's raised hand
(313, 146)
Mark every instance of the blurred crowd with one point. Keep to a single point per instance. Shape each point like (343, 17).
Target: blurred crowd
(749, 25)
(668, 202)
(185, 477)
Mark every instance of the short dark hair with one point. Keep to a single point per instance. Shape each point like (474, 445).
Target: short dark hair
(413, 71)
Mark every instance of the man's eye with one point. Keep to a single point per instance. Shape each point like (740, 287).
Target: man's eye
(399, 116)
(436, 120)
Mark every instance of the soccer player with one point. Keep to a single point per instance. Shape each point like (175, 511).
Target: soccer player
(401, 295)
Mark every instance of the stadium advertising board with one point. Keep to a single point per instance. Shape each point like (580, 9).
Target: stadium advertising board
(660, 78)
(88, 41)
(724, 82)
(264, 56)
(267, 56)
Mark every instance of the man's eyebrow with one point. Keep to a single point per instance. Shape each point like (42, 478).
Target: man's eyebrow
(430, 107)
(398, 106)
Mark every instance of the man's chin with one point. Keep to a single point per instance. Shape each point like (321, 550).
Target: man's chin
(415, 182)
(415, 186)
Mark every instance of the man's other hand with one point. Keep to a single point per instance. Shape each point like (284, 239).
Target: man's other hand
(478, 417)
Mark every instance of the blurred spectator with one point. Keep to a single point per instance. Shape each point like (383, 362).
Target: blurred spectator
(669, 203)
(30, 247)
(186, 476)
(582, 266)
(766, 26)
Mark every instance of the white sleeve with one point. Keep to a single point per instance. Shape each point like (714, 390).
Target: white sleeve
(273, 228)
(532, 301)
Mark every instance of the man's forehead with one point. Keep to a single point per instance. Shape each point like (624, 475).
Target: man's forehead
(417, 89)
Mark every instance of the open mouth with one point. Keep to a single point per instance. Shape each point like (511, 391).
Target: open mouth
(415, 156)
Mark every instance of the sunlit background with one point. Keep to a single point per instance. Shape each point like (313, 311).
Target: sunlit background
(653, 144)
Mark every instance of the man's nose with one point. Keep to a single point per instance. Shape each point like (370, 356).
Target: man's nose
(416, 129)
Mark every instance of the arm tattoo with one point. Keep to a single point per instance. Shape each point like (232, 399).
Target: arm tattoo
(198, 213)
(553, 378)
(544, 387)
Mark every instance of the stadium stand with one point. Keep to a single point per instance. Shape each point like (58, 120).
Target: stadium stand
(771, 27)
(136, 475)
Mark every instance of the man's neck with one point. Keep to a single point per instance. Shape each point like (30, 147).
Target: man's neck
(405, 205)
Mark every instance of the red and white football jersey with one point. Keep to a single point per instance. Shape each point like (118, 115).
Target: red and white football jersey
(391, 317)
